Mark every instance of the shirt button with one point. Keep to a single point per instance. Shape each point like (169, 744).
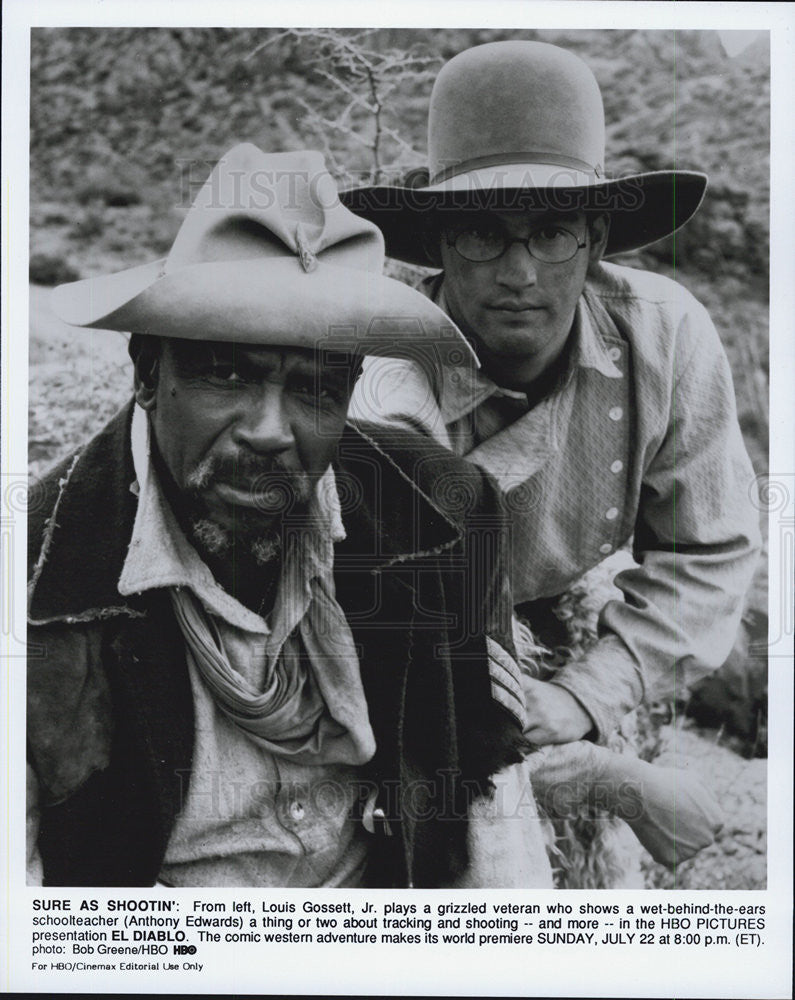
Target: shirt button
(616, 413)
(614, 353)
(296, 811)
(606, 549)
(611, 514)
(617, 466)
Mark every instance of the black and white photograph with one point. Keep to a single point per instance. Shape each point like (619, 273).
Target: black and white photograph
(401, 508)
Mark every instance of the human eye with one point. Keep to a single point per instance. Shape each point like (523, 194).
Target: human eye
(227, 373)
(484, 232)
(309, 390)
(552, 234)
(553, 243)
(224, 374)
(479, 241)
(319, 392)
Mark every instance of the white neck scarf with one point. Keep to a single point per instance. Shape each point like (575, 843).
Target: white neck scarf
(312, 706)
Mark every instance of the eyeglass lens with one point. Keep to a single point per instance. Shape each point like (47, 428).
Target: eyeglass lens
(552, 244)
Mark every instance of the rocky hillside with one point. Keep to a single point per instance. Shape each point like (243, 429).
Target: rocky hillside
(132, 118)
(126, 124)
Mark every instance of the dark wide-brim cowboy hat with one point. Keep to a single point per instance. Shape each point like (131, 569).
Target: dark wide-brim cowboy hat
(521, 125)
(268, 255)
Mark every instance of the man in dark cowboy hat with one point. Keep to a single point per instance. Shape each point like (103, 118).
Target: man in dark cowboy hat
(604, 406)
(265, 649)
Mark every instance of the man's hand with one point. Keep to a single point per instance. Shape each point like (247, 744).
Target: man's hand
(553, 715)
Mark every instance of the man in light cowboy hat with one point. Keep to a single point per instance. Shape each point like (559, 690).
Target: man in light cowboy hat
(265, 650)
(604, 406)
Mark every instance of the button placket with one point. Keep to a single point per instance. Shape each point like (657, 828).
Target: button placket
(611, 514)
(616, 353)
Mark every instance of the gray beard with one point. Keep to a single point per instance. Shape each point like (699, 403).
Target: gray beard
(275, 490)
(214, 540)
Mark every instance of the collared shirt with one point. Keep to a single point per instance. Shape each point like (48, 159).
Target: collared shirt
(639, 441)
(95, 520)
(251, 816)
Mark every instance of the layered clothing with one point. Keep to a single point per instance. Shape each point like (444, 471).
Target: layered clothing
(636, 445)
(111, 712)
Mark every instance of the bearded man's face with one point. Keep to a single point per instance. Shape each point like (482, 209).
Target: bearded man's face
(245, 432)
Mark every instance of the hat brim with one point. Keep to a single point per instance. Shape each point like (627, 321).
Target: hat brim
(270, 302)
(643, 208)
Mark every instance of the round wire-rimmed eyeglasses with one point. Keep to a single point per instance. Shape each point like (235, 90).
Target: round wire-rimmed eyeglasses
(550, 245)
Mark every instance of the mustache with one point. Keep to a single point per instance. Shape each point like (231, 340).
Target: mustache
(273, 486)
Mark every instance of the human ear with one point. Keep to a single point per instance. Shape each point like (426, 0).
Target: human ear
(146, 376)
(431, 236)
(598, 229)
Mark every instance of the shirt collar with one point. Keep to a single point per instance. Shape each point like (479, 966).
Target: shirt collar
(465, 387)
(590, 347)
(87, 515)
(159, 554)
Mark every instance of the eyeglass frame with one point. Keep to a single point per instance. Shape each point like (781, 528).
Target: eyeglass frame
(509, 241)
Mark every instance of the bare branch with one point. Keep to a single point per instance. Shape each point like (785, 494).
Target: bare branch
(353, 94)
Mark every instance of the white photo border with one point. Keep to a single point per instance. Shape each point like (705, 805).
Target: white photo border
(411, 972)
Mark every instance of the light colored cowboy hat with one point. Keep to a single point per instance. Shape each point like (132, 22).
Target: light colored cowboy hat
(267, 254)
(521, 124)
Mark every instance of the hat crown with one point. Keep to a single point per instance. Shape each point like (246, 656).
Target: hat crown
(515, 102)
(270, 205)
(267, 254)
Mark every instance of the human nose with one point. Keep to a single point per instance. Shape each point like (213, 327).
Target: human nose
(263, 424)
(517, 268)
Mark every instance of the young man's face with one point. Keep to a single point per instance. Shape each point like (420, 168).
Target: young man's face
(518, 310)
(244, 431)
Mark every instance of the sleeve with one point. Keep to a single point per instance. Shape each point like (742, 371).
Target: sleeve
(33, 865)
(486, 540)
(696, 544)
(505, 837)
(399, 394)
